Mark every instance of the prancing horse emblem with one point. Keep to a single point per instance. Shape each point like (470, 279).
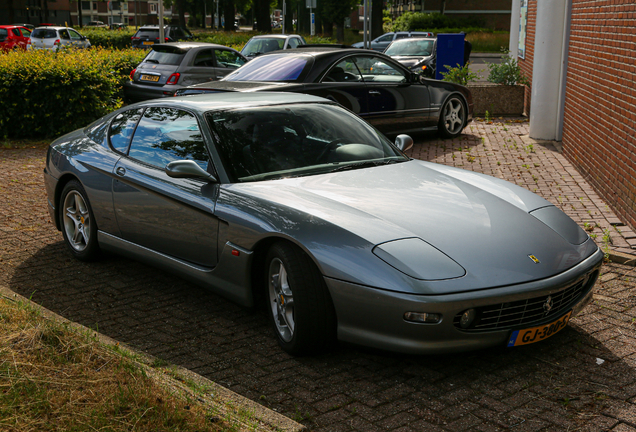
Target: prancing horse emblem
(534, 259)
(547, 306)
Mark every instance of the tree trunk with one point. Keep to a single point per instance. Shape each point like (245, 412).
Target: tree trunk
(340, 32)
(327, 28)
(203, 13)
(79, 13)
(377, 6)
(228, 14)
(263, 23)
(181, 8)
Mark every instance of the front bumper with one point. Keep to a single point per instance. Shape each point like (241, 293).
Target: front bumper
(372, 317)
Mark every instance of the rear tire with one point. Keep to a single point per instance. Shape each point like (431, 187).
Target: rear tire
(299, 304)
(78, 223)
(452, 119)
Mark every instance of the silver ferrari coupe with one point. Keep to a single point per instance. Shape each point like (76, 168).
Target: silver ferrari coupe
(293, 202)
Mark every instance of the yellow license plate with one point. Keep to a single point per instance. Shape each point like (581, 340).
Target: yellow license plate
(148, 43)
(536, 334)
(152, 78)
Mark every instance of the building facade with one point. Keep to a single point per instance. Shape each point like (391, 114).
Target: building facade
(494, 13)
(579, 54)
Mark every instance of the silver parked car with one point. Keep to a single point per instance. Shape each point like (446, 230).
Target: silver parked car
(381, 42)
(294, 201)
(53, 38)
(171, 66)
(262, 44)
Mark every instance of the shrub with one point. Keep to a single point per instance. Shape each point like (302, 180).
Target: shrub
(507, 72)
(459, 75)
(47, 94)
(105, 38)
(432, 21)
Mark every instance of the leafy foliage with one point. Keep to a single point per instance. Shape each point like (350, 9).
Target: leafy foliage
(508, 72)
(48, 94)
(105, 38)
(459, 75)
(434, 21)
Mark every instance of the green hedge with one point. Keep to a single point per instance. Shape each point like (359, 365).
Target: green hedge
(433, 22)
(47, 94)
(105, 38)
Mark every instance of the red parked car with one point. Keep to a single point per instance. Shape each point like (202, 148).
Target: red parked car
(13, 37)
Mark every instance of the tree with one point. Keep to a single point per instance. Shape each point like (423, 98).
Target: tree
(263, 23)
(335, 11)
(377, 16)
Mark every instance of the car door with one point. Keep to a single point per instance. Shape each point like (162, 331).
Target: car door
(343, 83)
(199, 67)
(168, 215)
(25, 34)
(65, 38)
(396, 103)
(76, 39)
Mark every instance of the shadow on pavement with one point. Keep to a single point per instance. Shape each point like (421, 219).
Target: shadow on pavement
(560, 382)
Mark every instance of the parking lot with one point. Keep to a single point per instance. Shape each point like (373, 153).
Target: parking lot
(583, 378)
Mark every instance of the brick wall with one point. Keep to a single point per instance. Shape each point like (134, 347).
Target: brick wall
(527, 62)
(600, 106)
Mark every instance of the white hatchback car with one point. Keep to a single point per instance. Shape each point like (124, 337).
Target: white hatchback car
(54, 38)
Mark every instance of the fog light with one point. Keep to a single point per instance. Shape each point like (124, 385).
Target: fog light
(467, 318)
(422, 317)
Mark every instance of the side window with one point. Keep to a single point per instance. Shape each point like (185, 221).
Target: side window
(165, 135)
(401, 35)
(122, 128)
(64, 34)
(345, 71)
(385, 38)
(228, 59)
(16, 32)
(74, 34)
(204, 58)
(293, 43)
(376, 70)
(25, 32)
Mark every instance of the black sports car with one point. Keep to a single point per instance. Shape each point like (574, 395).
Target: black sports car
(373, 85)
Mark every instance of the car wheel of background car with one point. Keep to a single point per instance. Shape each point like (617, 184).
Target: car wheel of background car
(453, 118)
(299, 303)
(78, 224)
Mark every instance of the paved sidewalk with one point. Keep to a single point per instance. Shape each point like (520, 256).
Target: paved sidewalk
(583, 378)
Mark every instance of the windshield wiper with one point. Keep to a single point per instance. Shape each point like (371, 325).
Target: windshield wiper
(364, 164)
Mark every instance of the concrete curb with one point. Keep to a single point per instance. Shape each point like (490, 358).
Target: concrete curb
(270, 419)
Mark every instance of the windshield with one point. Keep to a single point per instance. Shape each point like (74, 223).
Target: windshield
(272, 67)
(411, 47)
(262, 45)
(296, 140)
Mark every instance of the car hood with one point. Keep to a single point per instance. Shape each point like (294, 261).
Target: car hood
(481, 223)
(410, 61)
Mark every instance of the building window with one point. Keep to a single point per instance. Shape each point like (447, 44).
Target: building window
(153, 7)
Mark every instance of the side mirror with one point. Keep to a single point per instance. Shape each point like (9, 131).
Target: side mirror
(403, 142)
(187, 169)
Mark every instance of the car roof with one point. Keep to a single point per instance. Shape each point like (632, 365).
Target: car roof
(53, 27)
(274, 36)
(214, 101)
(188, 45)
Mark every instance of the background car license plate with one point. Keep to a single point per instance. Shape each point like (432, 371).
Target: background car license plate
(148, 43)
(153, 78)
(536, 334)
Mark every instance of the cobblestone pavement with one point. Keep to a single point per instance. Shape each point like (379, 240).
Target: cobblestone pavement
(583, 378)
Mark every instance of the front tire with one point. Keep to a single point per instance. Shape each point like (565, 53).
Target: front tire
(78, 224)
(452, 119)
(299, 305)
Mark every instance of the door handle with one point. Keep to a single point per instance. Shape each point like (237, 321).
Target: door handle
(374, 92)
(121, 171)
(219, 77)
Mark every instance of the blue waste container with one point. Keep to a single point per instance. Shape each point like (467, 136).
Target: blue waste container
(450, 52)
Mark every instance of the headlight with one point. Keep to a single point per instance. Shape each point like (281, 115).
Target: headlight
(561, 224)
(418, 259)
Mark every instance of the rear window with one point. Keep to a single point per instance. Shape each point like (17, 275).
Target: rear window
(3, 33)
(44, 33)
(165, 56)
(153, 34)
(271, 67)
